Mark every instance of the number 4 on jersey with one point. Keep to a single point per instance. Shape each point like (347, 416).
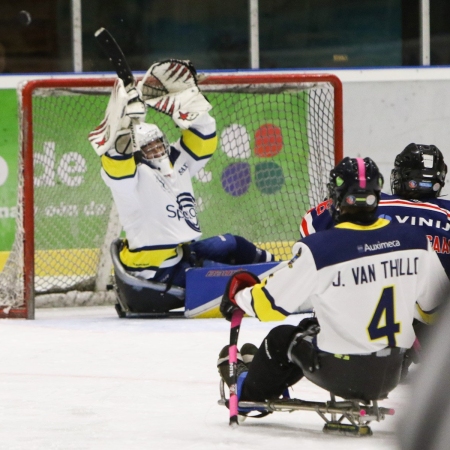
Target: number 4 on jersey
(383, 321)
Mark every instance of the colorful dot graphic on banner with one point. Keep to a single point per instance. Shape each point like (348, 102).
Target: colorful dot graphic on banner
(269, 177)
(268, 141)
(236, 178)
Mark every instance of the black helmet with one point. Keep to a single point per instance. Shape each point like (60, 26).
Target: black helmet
(419, 171)
(355, 183)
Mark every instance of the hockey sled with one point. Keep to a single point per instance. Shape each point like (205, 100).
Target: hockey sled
(142, 298)
(150, 299)
(346, 417)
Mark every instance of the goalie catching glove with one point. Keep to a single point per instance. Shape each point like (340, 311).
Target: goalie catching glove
(175, 75)
(182, 99)
(237, 282)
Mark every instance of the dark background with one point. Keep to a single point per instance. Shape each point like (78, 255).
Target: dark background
(214, 34)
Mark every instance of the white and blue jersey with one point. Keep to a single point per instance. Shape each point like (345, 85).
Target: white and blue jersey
(431, 215)
(157, 213)
(365, 283)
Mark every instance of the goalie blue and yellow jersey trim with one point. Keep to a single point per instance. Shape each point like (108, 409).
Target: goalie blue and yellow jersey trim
(148, 258)
(197, 145)
(119, 167)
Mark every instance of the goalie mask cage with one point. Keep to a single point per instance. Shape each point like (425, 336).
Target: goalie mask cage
(279, 136)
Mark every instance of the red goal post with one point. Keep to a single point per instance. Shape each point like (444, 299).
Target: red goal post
(279, 135)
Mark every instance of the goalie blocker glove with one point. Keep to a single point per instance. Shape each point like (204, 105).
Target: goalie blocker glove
(240, 280)
(104, 136)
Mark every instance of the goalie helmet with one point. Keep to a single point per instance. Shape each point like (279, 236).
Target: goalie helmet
(355, 184)
(419, 171)
(154, 147)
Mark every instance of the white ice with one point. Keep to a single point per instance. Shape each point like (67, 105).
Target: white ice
(81, 378)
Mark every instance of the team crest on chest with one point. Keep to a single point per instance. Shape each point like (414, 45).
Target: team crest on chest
(186, 205)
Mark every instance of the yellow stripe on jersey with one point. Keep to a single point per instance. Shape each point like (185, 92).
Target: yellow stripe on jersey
(380, 223)
(118, 168)
(263, 304)
(146, 259)
(199, 146)
(427, 317)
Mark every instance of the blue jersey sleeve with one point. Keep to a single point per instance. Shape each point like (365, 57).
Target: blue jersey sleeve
(317, 219)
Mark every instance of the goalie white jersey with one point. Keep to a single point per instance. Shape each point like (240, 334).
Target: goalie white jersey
(364, 283)
(158, 213)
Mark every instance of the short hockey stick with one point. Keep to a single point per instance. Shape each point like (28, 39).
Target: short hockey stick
(236, 321)
(114, 53)
(232, 359)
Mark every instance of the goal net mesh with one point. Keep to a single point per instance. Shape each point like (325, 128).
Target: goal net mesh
(277, 144)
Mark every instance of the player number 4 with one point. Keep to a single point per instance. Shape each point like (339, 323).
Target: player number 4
(383, 321)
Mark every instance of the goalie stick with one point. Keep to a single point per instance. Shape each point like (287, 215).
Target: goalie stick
(114, 53)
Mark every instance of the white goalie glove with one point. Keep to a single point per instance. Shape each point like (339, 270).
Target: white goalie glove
(114, 130)
(179, 95)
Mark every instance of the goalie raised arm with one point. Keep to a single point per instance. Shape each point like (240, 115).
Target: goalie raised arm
(151, 180)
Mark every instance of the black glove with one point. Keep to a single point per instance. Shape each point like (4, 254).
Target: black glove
(307, 323)
(240, 280)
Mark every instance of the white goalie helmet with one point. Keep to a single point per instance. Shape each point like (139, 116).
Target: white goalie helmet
(154, 147)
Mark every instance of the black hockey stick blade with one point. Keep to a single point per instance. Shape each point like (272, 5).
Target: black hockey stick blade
(115, 55)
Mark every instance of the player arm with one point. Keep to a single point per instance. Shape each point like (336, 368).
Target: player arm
(285, 292)
(112, 139)
(199, 143)
(317, 219)
(186, 104)
(434, 288)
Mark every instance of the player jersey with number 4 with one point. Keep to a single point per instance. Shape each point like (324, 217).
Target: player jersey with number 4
(384, 274)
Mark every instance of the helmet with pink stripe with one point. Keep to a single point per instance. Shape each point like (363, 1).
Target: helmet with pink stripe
(355, 184)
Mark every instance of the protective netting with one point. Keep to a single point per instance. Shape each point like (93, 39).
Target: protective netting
(276, 147)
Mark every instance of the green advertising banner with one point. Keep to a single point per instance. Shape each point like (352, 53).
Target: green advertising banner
(8, 167)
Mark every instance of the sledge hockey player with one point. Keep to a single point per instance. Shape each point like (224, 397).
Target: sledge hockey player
(364, 278)
(417, 179)
(150, 179)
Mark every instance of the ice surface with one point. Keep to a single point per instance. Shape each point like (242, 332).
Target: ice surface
(81, 378)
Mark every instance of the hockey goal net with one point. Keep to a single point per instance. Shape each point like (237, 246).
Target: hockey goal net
(279, 135)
